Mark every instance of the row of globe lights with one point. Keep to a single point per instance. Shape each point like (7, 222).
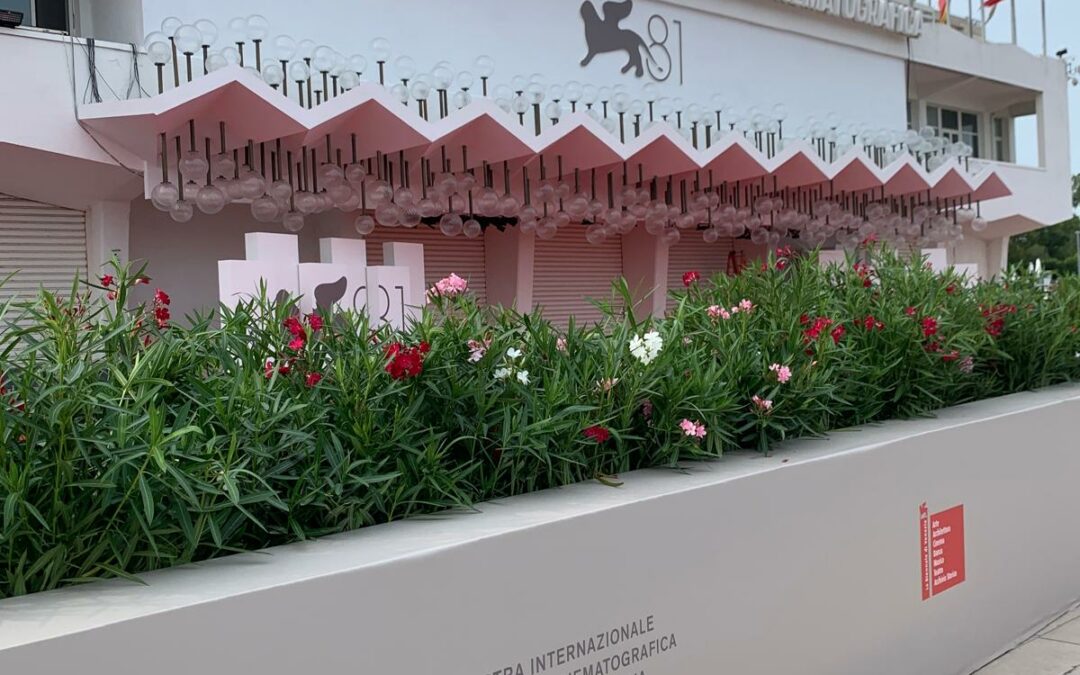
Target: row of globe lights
(556, 207)
(271, 204)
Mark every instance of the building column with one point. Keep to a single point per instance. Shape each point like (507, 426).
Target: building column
(645, 266)
(107, 235)
(508, 265)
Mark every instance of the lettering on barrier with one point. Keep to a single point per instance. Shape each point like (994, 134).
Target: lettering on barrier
(625, 648)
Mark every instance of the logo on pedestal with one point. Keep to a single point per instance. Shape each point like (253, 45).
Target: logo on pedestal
(390, 294)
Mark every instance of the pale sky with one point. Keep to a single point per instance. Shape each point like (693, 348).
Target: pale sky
(1063, 31)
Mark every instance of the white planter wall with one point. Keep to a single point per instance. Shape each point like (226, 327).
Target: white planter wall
(806, 562)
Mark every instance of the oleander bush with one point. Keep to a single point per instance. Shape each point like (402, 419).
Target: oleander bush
(130, 443)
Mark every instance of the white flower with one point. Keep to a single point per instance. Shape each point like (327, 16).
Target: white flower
(513, 353)
(647, 348)
(475, 356)
(523, 376)
(653, 341)
(502, 373)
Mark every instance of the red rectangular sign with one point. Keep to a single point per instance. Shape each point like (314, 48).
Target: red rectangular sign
(942, 549)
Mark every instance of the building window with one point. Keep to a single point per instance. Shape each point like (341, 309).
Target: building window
(955, 125)
(1002, 143)
(48, 14)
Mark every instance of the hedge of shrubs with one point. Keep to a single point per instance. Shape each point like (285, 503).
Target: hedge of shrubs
(130, 442)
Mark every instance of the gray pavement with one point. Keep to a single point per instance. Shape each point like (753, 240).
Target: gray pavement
(1054, 650)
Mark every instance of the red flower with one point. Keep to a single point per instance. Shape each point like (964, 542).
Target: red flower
(295, 328)
(870, 323)
(142, 280)
(111, 295)
(315, 321)
(804, 319)
(950, 289)
(867, 283)
(838, 334)
(910, 311)
(161, 316)
(933, 347)
(107, 280)
(312, 379)
(951, 356)
(404, 362)
(597, 434)
(996, 327)
(161, 297)
(814, 332)
(929, 326)
(297, 344)
(690, 277)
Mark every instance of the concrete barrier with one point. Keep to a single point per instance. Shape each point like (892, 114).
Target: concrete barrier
(846, 555)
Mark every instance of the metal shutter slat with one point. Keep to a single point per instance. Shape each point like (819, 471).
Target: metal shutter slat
(568, 271)
(442, 255)
(41, 246)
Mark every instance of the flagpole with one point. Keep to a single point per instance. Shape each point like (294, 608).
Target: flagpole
(982, 18)
(1012, 6)
(1045, 51)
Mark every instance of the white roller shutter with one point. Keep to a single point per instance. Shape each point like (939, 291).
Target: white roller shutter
(568, 271)
(694, 253)
(42, 246)
(442, 255)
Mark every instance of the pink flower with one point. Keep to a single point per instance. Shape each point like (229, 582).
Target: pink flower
(449, 287)
(717, 312)
(607, 384)
(560, 344)
(692, 429)
(783, 373)
(477, 349)
(967, 365)
(745, 305)
(763, 405)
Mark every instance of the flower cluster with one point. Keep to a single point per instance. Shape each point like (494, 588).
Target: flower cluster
(817, 326)
(763, 405)
(512, 367)
(995, 318)
(865, 273)
(597, 434)
(782, 372)
(784, 256)
(477, 349)
(404, 362)
(692, 429)
(646, 348)
(449, 287)
(717, 312)
(161, 308)
(872, 323)
(299, 334)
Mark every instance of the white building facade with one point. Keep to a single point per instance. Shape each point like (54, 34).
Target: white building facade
(856, 105)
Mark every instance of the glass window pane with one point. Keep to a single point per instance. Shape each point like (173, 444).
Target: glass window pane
(971, 123)
(19, 6)
(950, 119)
(932, 116)
(52, 14)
